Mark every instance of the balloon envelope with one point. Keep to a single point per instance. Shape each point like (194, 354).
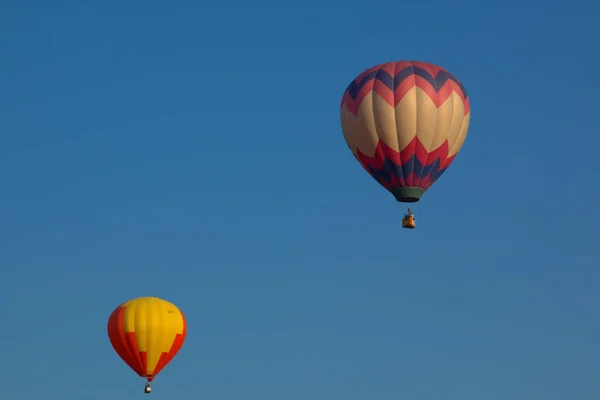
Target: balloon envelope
(147, 333)
(405, 122)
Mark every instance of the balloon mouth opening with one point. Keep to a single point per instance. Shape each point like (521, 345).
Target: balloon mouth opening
(408, 194)
(407, 199)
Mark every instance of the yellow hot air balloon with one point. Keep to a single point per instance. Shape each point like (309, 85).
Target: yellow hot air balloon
(147, 333)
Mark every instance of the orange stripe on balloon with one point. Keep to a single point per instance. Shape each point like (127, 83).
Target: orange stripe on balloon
(115, 337)
(125, 343)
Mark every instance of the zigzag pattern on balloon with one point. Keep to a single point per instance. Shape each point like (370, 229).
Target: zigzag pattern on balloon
(412, 167)
(392, 81)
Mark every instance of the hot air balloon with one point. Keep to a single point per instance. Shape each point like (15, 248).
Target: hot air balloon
(405, 122)
(147, 333)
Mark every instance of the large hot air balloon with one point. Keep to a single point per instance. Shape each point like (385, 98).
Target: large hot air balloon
(147, 333)
(405, 122)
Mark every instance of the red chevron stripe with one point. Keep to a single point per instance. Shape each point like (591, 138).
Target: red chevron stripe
(414, 148)
(393, 98)
(431, 68)
(383, 91)
(352, 104)
(392, 69)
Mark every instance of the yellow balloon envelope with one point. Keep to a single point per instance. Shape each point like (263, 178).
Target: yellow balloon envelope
(147, 333)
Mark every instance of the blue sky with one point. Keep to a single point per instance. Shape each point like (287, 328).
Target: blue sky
(193, 152)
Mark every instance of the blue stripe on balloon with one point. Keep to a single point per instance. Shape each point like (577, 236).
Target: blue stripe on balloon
(390, 169)
(393, 82)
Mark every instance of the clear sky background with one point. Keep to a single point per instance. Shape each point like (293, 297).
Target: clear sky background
(193, 151)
